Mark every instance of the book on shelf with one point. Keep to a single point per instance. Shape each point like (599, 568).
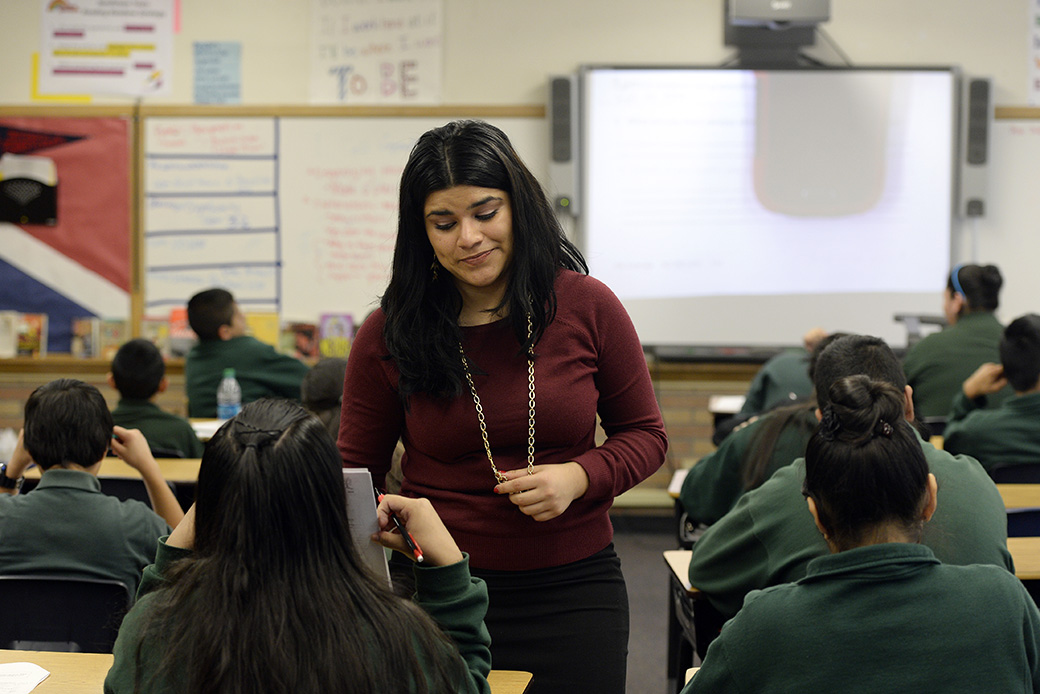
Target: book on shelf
(157, 330)
(86, 337)
(300, 340)
(182, 337)
(264, 326)
(8, 334)
(335, 333)
(113, 333)
(31, 340)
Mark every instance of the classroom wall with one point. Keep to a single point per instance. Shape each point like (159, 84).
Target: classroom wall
(501, 51)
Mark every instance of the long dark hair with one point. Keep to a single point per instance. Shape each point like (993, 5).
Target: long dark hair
(421, 330)
(274, 597)
(864, 465)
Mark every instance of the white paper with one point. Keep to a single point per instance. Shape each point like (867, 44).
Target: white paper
(361, 514)
(205, 428)
(20, 678)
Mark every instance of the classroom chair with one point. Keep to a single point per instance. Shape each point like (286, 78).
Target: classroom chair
(61, 613)
(1016, 473)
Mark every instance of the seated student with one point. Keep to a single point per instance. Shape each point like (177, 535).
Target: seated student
(261, 589)
(782, 380)
(66, 525)
(880, 613)
(321, 392)
(1009, 434)
(223, 344)
(937, 365)
(139, 373)
(767, 538)
(751, 454)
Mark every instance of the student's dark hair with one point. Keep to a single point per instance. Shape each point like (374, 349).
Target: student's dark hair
(275, 597)
(978, 284)
(137, 369)
(67, 421)
(421, 330)
(864, 465)
(321, 391)
(856, 354)
(210, 309)
(798, 417)
(1020, 352)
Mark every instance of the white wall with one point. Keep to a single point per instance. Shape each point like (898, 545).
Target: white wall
(502, 51)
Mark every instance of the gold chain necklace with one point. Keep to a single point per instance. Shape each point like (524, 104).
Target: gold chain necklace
(530, 417)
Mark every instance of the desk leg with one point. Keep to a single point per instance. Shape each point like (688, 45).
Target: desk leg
(680, 650)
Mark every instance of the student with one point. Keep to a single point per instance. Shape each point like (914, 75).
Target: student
(767, 538)
(487, 299)
(321, 391)
(751, 454)
(261, 589)
(783, 378)
(66, 525)
(880, 613)
(1009, 434)
(221, 328)
(937, 365)
(139, 374)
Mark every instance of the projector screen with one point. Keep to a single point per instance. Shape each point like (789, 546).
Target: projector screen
(738, 207)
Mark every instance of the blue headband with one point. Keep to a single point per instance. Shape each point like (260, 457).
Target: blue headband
(956, 282)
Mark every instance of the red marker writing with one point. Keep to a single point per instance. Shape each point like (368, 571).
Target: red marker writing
(408, 539)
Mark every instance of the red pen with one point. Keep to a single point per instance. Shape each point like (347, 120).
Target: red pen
(408, 539)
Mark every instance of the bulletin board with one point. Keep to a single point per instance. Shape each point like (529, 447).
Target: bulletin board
(292, 210)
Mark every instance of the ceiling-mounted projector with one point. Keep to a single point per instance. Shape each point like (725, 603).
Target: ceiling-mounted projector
(778, 12)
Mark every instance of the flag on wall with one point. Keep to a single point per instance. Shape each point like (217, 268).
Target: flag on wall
(80, 265)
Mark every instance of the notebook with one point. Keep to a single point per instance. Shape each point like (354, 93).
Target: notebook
(361, 514)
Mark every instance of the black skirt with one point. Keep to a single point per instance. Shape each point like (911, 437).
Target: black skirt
(568, 625)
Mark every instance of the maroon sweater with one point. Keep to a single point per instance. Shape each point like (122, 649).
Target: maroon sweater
(589, 361)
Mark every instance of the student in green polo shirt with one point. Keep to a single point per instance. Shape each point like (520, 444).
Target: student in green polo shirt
(1009, 434)
(139, 374)
(937, 365)
(879, 613)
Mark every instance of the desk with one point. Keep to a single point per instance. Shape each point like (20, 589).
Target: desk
(1020, 495)
(691, 620)
(176, 470)
(84, 673)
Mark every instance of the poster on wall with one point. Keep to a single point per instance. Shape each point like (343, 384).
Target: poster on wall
(104, 47)
(371, 52)
(76, 263)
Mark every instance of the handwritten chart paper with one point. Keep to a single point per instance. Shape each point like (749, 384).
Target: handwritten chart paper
(376, 51)
(106, 47)
(211, 211)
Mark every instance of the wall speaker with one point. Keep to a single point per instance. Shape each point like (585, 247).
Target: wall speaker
(976, 117)
(563, 143)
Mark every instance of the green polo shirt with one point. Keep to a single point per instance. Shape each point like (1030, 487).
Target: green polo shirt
(259, 369)
(67, 526)
(161, 429)
(1009, 434)
(769, 537)
(938, 365)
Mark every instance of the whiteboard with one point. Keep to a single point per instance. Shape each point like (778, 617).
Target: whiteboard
(293, 214)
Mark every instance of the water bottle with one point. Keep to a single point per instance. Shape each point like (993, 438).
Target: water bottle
(229, 396)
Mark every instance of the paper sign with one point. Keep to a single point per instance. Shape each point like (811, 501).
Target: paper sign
(218, 72)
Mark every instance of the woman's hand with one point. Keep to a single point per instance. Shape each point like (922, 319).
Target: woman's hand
(548, 492)
(422, 523)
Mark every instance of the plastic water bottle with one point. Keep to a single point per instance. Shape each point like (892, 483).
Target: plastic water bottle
(229, 396)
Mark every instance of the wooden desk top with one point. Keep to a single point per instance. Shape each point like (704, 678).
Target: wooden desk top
(1020, 495)
(84, 673)
(1026, 553)
(173, 469)
(678, 561)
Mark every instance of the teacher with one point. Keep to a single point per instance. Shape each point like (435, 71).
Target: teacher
(490, 358)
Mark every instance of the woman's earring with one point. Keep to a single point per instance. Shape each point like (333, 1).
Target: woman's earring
(433, 270)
